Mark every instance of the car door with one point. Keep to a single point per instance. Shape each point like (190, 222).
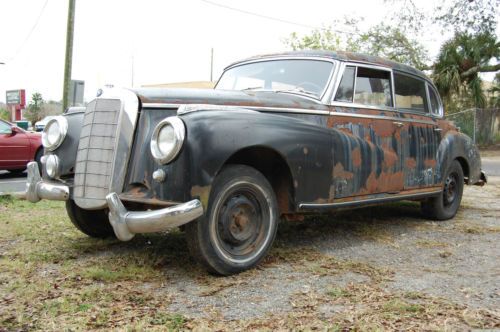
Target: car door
(14, 147)
(367, 136)
(422, 142)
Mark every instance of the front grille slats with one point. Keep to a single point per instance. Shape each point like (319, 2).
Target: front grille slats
(95, 154)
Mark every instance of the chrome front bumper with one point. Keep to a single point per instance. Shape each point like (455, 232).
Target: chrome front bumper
(37, 189)
(125, 223)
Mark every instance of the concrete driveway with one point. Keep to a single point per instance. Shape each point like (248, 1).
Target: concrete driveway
(12, 183)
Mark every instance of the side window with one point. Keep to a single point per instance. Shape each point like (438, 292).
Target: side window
(345, 91)
(373, 87)
(4, 128)
(410, 93)
(370, 87)
(435, 107)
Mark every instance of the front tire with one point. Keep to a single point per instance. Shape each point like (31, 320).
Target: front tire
(94, 223)
(240, 222)
(445, 206)
(38, 159)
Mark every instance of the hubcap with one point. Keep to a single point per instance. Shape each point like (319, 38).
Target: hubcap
(450, 189)
(242, 223)
(238, 220)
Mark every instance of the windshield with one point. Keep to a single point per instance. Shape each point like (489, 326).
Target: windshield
(308, 77)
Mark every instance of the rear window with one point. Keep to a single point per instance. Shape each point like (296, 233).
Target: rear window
(410, 93)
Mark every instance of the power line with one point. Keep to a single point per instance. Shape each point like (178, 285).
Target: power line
(31, 31)
(277, 19)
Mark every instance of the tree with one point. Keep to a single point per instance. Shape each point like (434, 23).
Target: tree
(4, 114)
(495, 92)
(460, 60)
(380, 40)
(34, 111)
(468, 16)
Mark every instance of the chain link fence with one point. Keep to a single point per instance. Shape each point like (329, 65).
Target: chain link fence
(481, 124)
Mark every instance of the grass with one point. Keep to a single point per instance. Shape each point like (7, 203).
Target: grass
(54, 278)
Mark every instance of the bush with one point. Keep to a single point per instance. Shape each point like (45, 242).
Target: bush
(4, 114)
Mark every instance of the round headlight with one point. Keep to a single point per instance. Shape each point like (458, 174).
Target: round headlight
(52, 166)
(167, 139)
(54, 133)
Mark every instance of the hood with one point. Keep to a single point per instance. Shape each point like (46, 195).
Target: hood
(228, 98)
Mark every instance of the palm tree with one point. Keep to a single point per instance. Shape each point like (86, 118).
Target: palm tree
(461, 59)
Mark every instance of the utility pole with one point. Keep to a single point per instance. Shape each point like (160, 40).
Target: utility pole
(132, 83)
(69, 53)
(212, 65)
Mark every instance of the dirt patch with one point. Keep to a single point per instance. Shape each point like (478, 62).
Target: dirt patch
(375, 268)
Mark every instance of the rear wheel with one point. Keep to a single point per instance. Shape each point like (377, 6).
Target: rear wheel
(94, 223)
(240, 222)
(445, 206)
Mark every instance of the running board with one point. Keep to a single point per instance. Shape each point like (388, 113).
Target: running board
(375, 200)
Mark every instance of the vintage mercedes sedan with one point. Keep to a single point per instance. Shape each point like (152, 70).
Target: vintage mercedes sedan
(280, 136)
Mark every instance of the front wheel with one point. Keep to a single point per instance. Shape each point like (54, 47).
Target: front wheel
(94, 223)
(239, 224)
(445, 205)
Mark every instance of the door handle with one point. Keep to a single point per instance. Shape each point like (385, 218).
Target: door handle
(438, 129)
(398, 124)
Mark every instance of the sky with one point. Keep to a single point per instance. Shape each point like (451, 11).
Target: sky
(132, 43)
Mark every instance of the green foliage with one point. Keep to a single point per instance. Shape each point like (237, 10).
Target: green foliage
(4, 114)
(468, 16)
(392, 43)
(381, 40)
(34, 111)
(328, 38)
(494, 92)
(456, 71)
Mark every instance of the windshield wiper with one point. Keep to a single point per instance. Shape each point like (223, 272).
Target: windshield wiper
(252, 88)
(298, 90)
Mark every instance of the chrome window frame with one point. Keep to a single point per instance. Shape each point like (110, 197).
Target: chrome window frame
(394, 108)
(413, 110)
(333, 102)
(326, 91)
(428, 88)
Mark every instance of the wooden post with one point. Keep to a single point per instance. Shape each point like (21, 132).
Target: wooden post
(69, 53)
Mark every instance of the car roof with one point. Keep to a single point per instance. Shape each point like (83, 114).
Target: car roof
(337, 55)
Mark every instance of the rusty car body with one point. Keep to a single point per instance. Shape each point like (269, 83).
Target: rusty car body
(281, 135)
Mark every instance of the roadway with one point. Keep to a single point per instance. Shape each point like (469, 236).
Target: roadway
(10, 183)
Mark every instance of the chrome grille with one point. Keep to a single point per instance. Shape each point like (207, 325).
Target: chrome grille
(96, 153)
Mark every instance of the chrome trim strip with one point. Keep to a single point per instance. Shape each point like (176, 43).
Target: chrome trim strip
(367, 201)
(381, 117)
(160, 105)
(290, 110)
(128, 223)
(188, 108)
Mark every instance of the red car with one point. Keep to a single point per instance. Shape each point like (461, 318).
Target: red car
(18, 147)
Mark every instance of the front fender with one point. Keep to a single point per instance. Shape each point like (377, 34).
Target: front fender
(214, 136)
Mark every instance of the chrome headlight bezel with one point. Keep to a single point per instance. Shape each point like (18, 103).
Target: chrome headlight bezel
(63, 130)
(179, 135)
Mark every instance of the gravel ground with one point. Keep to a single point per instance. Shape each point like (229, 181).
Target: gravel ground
(376, 268)
(456, 260)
